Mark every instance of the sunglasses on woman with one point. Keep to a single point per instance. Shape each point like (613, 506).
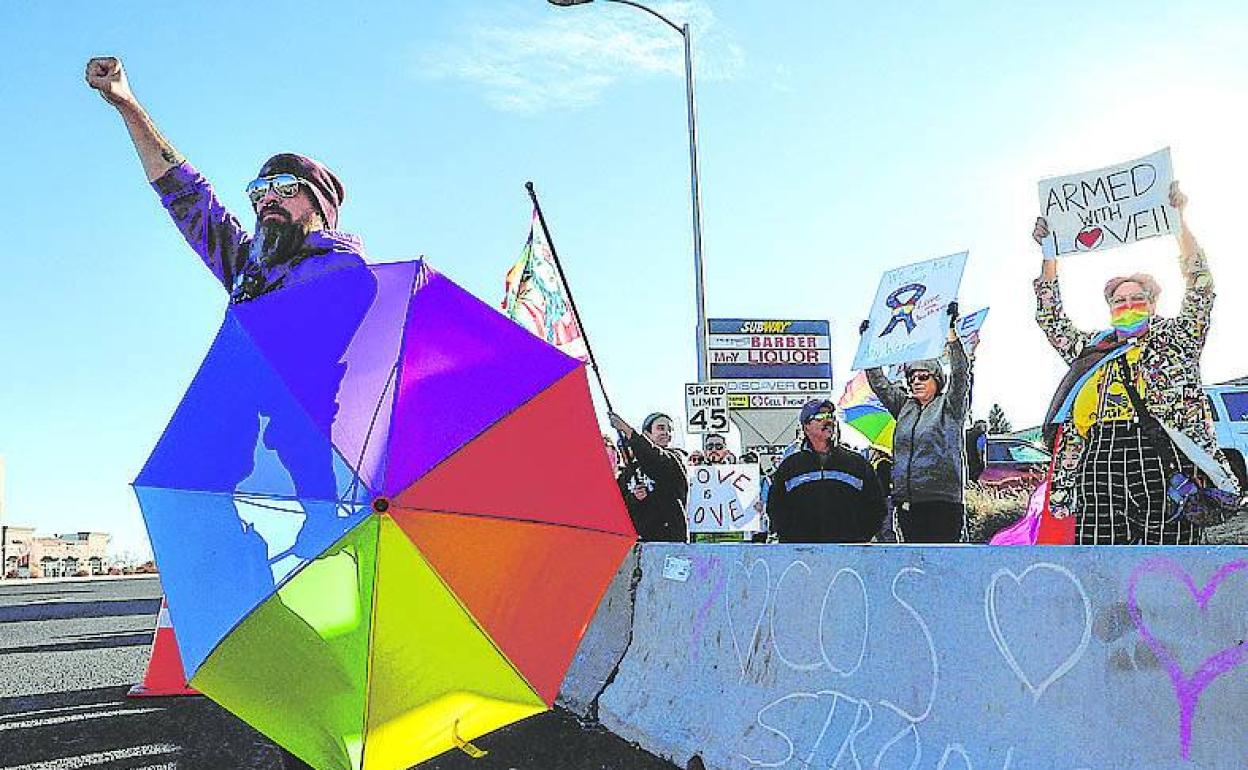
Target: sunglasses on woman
(285, 185)
(919, 377)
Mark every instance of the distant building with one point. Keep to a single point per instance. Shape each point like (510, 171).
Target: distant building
(25, 555)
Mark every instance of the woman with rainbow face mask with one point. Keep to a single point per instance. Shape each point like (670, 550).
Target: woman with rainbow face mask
(1108, 474)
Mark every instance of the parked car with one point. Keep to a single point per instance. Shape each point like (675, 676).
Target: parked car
(1230, 421)
(1014, 462)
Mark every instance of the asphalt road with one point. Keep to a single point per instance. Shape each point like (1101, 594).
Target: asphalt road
(70, 651)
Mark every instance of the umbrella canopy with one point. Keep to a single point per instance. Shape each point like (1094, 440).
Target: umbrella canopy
(383, 517)
(864, 412)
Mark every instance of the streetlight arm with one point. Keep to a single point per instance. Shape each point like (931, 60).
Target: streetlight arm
(652, 12)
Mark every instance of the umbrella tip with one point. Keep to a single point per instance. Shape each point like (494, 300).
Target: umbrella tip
(381, 505)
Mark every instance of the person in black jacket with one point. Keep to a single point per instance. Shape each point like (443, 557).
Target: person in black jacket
(824, 493)
(653, 480)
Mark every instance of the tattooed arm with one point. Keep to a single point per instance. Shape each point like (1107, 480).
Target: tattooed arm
(106, 75)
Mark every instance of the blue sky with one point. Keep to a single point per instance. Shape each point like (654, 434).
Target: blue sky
(837, 140)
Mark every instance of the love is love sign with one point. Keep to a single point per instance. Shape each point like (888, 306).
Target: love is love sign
(1108, 207)
(724, 498)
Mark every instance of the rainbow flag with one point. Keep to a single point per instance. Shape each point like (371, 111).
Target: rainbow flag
(535, 299)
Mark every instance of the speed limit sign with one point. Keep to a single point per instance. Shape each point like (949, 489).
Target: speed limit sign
(706, 407)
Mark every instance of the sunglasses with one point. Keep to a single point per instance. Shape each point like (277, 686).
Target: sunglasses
(285, 185)
(919, 377)
(713, 447)
(821, 416)
(1129, 299)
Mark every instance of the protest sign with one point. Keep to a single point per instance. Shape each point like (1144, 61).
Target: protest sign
(1108, 207)
(724, 498)
(968, 329)
(706, 408)
(908, 319)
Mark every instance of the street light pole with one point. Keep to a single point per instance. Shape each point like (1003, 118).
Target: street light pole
(695, 194)
(699, 287)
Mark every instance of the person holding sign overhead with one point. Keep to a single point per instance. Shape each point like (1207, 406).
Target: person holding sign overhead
(929, 446)
(823, 492)
(1118, 471)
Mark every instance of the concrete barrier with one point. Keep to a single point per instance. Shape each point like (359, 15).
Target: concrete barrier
(604, 643)
(755, 656)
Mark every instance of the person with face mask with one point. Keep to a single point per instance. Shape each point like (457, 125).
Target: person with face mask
(1110, 471)
(929, 445)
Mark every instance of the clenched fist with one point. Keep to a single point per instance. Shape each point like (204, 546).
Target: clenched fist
(106, 75)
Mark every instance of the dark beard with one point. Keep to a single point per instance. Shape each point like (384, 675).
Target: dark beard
(276, 241)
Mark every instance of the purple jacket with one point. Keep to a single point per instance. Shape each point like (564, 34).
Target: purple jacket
(224, 244)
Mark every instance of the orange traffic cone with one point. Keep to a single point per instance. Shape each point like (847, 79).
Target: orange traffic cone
(165, 674)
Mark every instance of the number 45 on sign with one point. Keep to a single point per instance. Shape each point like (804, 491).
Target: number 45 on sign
(706, 407)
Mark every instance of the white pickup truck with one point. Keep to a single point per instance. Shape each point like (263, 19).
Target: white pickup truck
(1229, 402)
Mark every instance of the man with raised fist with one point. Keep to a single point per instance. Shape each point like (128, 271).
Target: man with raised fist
(295, 200)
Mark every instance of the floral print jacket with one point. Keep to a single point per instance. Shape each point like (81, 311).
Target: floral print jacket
(1169, 364)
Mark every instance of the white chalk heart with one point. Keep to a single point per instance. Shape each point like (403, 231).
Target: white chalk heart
(994, 627)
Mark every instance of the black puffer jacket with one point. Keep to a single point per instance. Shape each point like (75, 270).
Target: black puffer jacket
(833, 500)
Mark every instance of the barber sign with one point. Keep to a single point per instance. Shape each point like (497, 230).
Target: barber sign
(706, 408)
(724, 498)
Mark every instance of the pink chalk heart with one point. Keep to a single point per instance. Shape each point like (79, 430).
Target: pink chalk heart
(1186, 688)
(1090, 237)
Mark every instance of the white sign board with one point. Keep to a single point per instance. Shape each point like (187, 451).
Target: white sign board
(909, 318)
(706, 408)
(1108, 207)
(724, 498)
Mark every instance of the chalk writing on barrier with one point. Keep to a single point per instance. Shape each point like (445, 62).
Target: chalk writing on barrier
(752, 644)
(1187, 689)
(994, 626)
(775, 640)
(866, 622)
(931, 651)
(853, 724)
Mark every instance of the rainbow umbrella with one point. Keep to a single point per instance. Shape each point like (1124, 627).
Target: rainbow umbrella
(864, 412)
(383, 517)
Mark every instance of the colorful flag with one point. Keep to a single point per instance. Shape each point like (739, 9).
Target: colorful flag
(864, 412)
(968, 329)
(535, 298)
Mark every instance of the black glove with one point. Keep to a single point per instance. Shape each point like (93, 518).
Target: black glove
(953, 314)
(862, 328)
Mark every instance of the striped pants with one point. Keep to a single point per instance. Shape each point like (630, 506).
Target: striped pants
(1120, 492)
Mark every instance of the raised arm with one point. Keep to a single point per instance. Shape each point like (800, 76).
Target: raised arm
(1067, 339)
(106, 75)
(1198, 295)
(655, 462)
(891, 395)
(208, 227)
(959, 373)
